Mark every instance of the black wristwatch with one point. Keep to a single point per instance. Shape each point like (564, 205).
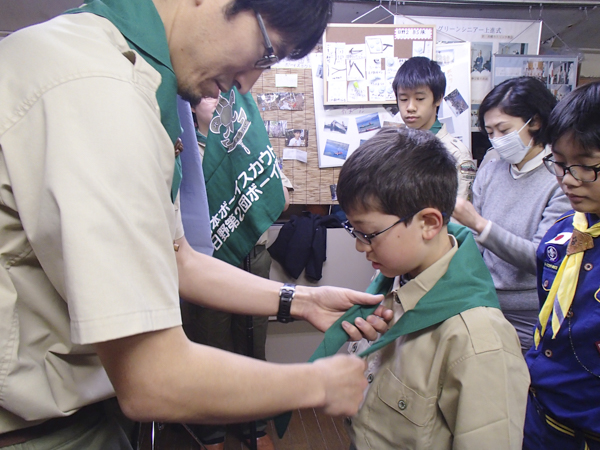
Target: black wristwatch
(286, 294)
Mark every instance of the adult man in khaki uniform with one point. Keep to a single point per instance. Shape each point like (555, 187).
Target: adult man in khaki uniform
(93, 254)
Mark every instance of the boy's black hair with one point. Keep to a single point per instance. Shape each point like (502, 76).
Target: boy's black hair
(420, 71)
(399, 171)
(578, 114)
(301, 23)
(523, 97)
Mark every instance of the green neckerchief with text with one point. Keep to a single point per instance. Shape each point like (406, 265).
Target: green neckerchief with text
(243, 181)
(466, 284)
(143, 29)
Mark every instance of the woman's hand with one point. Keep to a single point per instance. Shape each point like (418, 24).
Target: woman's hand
(464, 212)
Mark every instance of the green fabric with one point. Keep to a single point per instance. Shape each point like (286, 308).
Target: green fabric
(143, 29)
(466, 284)
(243, 182)
(201, 138)
(436, 127)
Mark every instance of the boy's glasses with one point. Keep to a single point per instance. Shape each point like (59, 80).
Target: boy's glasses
(270, 58)
(366, 238)
(586, 174)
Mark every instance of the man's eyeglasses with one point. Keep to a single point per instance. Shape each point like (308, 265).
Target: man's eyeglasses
(586, 174)
(366, 238)
(270, 58)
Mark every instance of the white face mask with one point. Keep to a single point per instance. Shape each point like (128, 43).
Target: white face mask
(510, 147)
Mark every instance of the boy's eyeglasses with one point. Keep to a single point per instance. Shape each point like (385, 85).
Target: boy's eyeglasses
(270, 58)
(366, 238)
(586, 174)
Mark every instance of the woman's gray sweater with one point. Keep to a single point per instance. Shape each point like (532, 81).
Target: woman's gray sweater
(521, 211)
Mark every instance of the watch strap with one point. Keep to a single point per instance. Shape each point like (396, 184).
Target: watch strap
(286, 295)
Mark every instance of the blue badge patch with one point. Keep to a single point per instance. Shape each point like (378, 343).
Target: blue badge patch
(552, 253)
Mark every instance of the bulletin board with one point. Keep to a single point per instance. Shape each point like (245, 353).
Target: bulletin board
(312, 185)
(360, 61)
(488, 37)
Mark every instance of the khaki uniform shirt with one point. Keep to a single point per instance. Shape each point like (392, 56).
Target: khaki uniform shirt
(86, 219)
(465, 165)
(459, 385)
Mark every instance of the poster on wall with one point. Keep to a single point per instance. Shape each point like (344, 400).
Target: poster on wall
(341, 129)
(360, 61)
(557, 72)
(488, 37)
(455, 109)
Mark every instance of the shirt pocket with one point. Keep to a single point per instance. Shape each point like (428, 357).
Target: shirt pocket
(417, 409)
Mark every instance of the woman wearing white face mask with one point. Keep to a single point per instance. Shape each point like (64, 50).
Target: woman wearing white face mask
(514, 200)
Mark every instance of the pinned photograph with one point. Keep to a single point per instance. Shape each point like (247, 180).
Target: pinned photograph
(336, 149)
(389, 123)
(267, 102)
(368, 122)
(291, 101)
(333, 189)
(338, 125)
(297, 138)
(457, 103)
(276, 128)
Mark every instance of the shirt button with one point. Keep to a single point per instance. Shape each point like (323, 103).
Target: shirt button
(588, 266)
(354, 347)
(402, 405)
(370, 378)
(546, 283)
(548, 353)
(569, 314)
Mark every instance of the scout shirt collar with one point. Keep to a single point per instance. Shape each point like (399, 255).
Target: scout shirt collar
(436, 127)
(409, 293)
(201, 138)
(144, 31)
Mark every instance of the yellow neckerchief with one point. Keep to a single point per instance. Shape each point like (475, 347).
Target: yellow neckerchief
(563, 288)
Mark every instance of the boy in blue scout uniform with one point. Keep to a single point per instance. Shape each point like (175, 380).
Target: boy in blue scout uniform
(450, 372)
(564, 400)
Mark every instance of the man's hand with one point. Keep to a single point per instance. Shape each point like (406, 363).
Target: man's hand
(322, 306)
(344, 383)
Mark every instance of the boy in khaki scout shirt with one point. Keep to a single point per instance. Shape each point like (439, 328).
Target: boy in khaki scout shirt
(449, 374)
(419, 86)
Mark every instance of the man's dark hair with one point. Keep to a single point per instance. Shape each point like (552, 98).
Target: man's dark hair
(578, 114)
(301, 23)
(523, 97)
(399, 171)
(420, 71)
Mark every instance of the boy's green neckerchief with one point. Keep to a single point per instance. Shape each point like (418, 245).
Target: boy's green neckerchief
(144, 31)
(466, 284)
(436, 127)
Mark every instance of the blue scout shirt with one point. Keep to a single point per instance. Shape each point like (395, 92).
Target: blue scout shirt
(565, 371)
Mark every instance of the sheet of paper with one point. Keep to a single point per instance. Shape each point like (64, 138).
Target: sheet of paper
(294, 153)
(286, 80)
